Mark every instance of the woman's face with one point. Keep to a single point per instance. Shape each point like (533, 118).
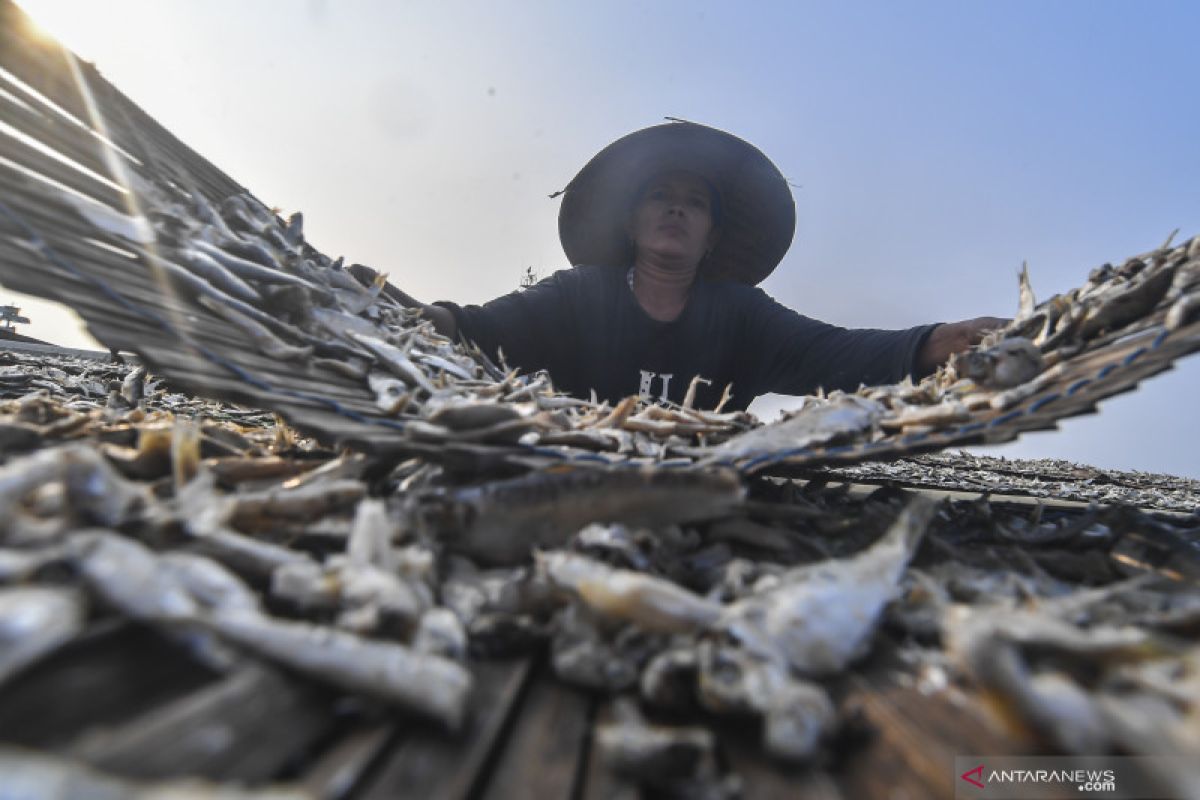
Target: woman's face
(673, 218)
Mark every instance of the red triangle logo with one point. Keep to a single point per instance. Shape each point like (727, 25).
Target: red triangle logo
(978, 771)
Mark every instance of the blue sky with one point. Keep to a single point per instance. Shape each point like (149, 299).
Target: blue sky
(935, 146)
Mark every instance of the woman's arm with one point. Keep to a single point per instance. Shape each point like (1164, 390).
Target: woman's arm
(796, 355)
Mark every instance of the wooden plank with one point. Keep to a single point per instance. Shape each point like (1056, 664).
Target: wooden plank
(112, 673)
(343, 767)
(916, 736)
(245, 728)
(433, 764)
(548, 744)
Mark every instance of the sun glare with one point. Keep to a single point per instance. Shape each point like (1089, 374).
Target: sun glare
(80, 25)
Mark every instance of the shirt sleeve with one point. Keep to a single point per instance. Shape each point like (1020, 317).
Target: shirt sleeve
(527, 325)
(799, 355)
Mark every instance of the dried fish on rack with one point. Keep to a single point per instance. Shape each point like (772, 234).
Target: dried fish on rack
(416, 509)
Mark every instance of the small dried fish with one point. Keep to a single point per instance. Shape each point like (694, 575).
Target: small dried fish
(249, 510)
(17, 566)
(669, 679)
(441, 633)
(462, 372)
(34, 621)
(249, 270)
(207, 268)
(583, 655)
(129, 577)
(821, 616)
(371, 537)
(204, 515)
(392, 396)
(1028, 302)
(429, 684)
(652, 604)
(264, 340)
(395, 360)
(654, 754)
(32, 775)
(133, 387)
(797, 715)
(210, 584)
(502, 522)
(1010, 363)
(821, 424)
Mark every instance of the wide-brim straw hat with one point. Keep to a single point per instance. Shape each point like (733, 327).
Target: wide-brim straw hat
(758, 215)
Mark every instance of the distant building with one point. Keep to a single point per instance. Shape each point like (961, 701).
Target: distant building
(10, 317)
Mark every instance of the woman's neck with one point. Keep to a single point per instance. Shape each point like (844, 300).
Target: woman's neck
(661, 289)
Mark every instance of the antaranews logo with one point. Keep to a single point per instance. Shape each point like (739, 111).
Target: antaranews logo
(986, 777)
(1084, 780)
(977, 779)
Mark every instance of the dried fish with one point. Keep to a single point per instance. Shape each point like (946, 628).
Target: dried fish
(207, 268)
(501, 522)
(31, 775)
(586, 656)
(205, 516)
(655, 754)
(821, 616)
(34, 621)
(440, 633)
(264, 340)
(133, 387)
(1027, 302)
(1010, 363)
(797, 715)
(377, 602)
(17, 566)
(249, 270)
(370, 541)
(821, 424)
(249, 510)
(669, 679)
(421, 682)
(209, 583)
(392, 396)
(129, 577)
(394, 359)
(92, 492)
(652, 604)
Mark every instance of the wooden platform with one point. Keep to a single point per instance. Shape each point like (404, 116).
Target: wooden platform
(130, 702)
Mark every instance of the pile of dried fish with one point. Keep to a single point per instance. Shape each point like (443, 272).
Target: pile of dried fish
(491, 514)
(88, 385)
(1040, 478)
(699, 596)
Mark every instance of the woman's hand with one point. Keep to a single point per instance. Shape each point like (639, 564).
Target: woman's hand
(442, 318)
(953, 337)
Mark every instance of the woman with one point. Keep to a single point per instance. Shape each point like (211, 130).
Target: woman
(670, 228)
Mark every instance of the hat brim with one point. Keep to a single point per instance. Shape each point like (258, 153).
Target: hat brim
(758, 215)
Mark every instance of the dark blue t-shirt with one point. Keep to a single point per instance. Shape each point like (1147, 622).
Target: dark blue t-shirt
(585, 327)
